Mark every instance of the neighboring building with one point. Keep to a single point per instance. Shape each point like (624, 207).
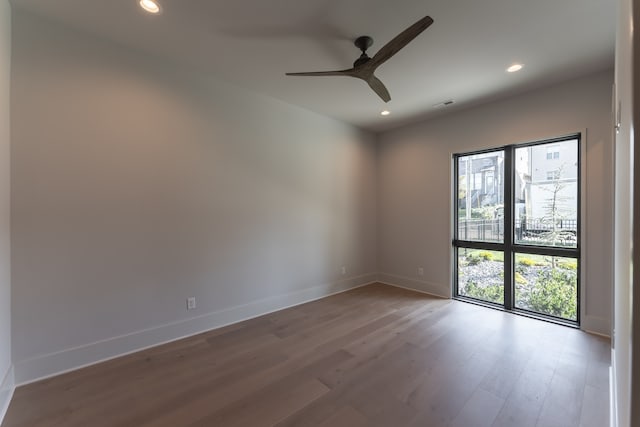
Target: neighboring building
(481, 177)
(551, 170)
(545, 191)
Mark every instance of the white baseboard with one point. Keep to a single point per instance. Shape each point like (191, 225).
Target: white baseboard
(596, 325)
(613, 401)
(591, 324)
(415, 285)
(7, 386)
(48, 365)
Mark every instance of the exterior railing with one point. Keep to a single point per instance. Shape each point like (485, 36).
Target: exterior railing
(529, 229)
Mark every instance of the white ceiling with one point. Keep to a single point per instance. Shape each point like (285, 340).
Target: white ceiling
(462, 56)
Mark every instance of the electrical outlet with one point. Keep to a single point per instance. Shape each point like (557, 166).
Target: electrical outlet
(191, 303)
(420, 271)
(343, 270)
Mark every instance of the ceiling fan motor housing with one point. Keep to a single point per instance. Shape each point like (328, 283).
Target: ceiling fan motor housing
(363, 43)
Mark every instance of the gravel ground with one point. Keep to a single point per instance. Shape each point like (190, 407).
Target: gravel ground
(488, 273)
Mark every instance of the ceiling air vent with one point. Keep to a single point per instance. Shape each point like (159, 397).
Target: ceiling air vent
(443, 104)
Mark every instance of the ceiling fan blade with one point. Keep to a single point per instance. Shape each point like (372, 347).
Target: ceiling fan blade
(348, 72)
(400, 41)
(379, 88)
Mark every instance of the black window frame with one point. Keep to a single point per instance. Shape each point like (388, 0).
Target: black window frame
(509, 247)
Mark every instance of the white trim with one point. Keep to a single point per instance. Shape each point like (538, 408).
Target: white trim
(71, 359)
(613, 400)
(7, 387)
(596, 325)
(452, 223)
(584, 318)
(433, 289)
(413, 290)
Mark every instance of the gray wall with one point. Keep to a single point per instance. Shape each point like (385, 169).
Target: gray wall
(5, 258)
(625, 349)
(414, 198)
(136, 185)
(635, 338)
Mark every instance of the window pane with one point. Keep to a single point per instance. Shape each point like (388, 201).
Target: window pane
(546, 194)
(481, 197)
(547, 285)
(481, 274)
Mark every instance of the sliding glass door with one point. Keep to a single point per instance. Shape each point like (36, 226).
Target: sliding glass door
(517, 232)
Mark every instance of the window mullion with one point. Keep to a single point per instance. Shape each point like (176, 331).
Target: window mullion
(509, 178)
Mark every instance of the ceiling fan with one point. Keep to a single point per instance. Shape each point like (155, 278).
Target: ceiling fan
(364, 67)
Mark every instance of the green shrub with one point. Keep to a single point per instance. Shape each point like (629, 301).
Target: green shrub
(486, 212)
(493, 293)
(482, 213)
(474, 259)
(568, 265)
(555, 293)
(526, 261)
(519, 278)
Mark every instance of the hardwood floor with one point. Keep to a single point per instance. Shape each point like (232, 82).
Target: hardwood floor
(374, 356)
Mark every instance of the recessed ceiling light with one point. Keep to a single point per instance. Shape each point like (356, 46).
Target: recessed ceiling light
(514, 68)
(385, 113)
(150, 6)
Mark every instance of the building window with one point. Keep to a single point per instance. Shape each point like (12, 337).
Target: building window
(553, 153)
(554, 174)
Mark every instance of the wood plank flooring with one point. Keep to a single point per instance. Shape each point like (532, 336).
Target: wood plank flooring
(373, 356)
